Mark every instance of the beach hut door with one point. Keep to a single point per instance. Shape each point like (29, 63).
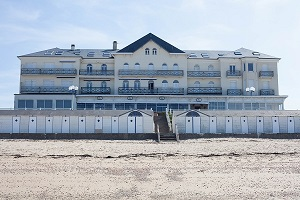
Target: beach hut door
(16, 125)
(213, 125)
(81, 122)
(228, 124)
(291, 125)
(115, 125)
(32, 125)
(244, 124)
(260, 124)
(49, 124)
(275, 124)
(65, 125)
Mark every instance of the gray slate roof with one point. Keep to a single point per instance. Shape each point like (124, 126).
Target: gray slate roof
(108, 53)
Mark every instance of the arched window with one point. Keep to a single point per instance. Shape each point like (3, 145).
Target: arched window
(137, 84)
(104, 67)
(126, 66)
(175, 67)
(137, 66)
(197, 84)
(89, 68)
(175, 84)
(147, 51)
(103, 84)
(150, 66)
(211, 84)
(125, 84)
(164, 66)
(135, 114)
(164, 83)
(210, 68)
(192, 114)
(196, 68)
(154, 51)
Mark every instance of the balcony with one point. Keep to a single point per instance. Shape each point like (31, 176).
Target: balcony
(44, 89)
(205, 90)
(96, 72)
(129, 72)
(234, 92)
(266, 74)
(208, 74)
(49, 71)
(233, 73)
(267, 92)
(95, 90)
(154, 91)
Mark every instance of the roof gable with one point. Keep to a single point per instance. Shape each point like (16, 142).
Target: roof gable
(142, 41)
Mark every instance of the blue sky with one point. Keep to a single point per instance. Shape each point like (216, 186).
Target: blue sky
(267, 26)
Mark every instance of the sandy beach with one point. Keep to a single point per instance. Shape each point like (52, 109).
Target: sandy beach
(191, 169)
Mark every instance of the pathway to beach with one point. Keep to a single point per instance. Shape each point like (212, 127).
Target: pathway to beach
(192, 169)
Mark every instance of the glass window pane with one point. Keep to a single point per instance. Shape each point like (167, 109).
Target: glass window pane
(108, 106)
(29, 103)
(80, 106)
(151, 106)
(239, 106)
(48, 103)
(89, 106)
(99, 106)
(59, 103)
(129, 106)
(67, 104)
(21, 103)
(173, 106)
(119, 106)
(247, 106)
(255, 106)
(141, 106)
(40, 104)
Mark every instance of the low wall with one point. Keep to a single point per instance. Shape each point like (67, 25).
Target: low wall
(137, 136)
(80, 136)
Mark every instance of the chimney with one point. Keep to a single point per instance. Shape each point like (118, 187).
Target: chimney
(72, 47)
(115, 45)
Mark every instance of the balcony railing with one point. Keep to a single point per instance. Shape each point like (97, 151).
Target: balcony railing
(44, 89)
(234, 92)
(266, 74)
(154, 91)
(96, 72)
(204, 90)
(132, 72)
(95, 90)
(48, 71)
(233, 73)
(267, 92)
(204, 74)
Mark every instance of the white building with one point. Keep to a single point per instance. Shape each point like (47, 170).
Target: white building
(148, 74)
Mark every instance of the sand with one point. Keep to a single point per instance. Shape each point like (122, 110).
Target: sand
(191, 169)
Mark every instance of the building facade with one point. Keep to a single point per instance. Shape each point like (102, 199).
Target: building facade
(148, 74)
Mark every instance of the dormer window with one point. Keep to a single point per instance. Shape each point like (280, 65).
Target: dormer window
(147, 51)
(154, 51)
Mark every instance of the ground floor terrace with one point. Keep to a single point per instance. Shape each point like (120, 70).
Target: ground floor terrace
(157, 103)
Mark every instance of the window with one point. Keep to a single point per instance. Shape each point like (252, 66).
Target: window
(25, 104)
(164, 83)
(44, 104)
(154, 51)
(235, 106)
(129, 106)
(89, 84)
(150, 66)
(211, 84)
(89, 68)
(205, 55)
(91, 54)
(164, 66)
(104, 67)
(125, 84)
(137, 84)
(232, 68)
(250, 67)
(216, 105)
(137, 66)
(197, 84)
(102, 106)
(197, 68)
(63, 104)
(48, 83)
(126, 66)
(147, 51)
(192, 114)
(176, 84)
(210, 68)
(103, 84)
(175, 67)
(238, 53)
